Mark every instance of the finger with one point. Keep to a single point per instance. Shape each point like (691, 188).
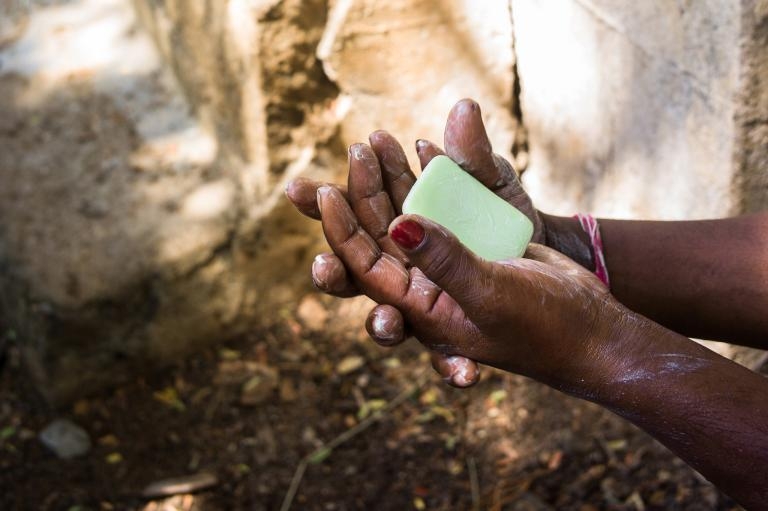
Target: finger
(330, 276)
(426, 150)
(455, 370)
(302, 192)
(396, 173)
(467, 143)
(385, 325)
(380, 275)
(444, 260)
(433, 314)
(369, 201)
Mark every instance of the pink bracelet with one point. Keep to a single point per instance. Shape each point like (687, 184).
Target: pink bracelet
(590, 226)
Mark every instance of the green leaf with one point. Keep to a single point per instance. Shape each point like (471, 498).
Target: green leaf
(228, 354)
(497, 396)
(7, 432)
(169, 397)
(320, 455)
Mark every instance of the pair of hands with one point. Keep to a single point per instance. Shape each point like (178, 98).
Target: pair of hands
(542, 316)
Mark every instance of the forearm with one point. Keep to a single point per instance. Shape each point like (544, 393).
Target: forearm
(710, 411)
(705, 279)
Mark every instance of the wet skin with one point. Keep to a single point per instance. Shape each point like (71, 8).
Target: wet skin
(549, 318)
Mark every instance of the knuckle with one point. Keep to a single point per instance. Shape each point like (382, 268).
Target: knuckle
(443, 265)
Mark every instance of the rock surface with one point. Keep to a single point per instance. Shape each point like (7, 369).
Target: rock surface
(644, 109)
(401, 65)
(129, 232)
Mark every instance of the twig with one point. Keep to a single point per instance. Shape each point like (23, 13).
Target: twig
(294, 487)
(474, 483)
(324, 450)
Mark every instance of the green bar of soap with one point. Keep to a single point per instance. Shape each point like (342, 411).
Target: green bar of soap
(485, 223)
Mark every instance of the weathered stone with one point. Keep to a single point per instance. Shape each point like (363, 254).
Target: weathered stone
(401, 65)
(644, 109)
(66, 439)
(131, 232)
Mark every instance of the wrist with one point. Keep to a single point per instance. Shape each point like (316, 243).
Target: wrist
(621, 349)
(565, 235)
(643, 359)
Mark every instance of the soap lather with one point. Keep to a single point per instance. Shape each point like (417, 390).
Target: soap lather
(484, 222)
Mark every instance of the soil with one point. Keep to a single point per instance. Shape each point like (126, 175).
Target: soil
(525, 446)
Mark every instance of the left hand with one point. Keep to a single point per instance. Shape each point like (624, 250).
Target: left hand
(379, 180)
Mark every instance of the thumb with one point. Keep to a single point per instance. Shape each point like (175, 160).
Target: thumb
(443, 259)
(467, 143)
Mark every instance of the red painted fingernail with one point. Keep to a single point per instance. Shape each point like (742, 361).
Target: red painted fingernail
(408, 234)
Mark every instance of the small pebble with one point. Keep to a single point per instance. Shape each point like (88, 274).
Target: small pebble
(312, 313)
(66, 439)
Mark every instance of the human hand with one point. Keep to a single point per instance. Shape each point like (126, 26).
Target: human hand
(379, 180)
(466, 142)
(544, 316)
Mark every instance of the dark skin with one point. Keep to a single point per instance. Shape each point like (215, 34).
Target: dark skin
(708, 279)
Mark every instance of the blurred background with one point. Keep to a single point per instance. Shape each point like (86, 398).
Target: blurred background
(161, 347)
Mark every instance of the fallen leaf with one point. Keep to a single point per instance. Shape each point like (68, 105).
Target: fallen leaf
(7, 432)
(178, 485)
(320, 455)
(429, 396)
(109, 441)
(169, 397)
(497, 396)
(370, 406)
(350, 364)
(228, 354)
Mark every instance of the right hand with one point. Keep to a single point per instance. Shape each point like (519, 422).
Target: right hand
(379, 181)
(543, 316)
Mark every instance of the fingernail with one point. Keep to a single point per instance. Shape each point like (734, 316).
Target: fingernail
(356, 151)
(376, 135)
(407, 234)
(466, 107)
(384, 327)
(322, 193)
(421, 144)
(317, 266)
(464, 374)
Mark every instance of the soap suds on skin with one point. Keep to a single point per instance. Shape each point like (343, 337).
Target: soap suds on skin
(383, 325)
(667, 364)
(421, 284)
(463, 373)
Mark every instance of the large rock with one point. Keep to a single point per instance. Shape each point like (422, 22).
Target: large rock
(645, 109)
(141, 204)
(401, 65)
(131, 232)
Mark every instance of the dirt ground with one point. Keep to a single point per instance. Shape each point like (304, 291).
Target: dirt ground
(507, 444)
